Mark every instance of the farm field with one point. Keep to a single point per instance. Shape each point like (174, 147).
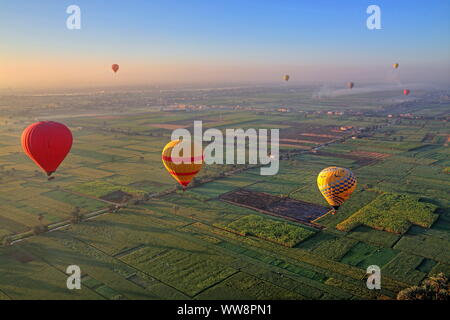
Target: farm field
(234, 234)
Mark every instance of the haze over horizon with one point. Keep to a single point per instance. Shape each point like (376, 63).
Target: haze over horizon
(167, 42)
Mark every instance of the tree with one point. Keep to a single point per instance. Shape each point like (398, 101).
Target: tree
(439, 285)
(75, 215)
(7, 240)
(40, 218)
(433, 288)
(39, 229)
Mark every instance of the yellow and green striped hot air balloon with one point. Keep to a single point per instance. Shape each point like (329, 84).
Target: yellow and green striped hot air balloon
(183, 169)
(336, 185)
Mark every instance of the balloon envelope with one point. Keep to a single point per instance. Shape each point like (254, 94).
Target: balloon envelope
(395, 65)
(286, 77)
(336, 185)
(350, 85)
(47, 143)
(115, 67)
(182, 169)
(406, 92)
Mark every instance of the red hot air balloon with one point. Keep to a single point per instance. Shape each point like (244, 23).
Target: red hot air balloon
(406, 92)
(115, 67)
(47, 143)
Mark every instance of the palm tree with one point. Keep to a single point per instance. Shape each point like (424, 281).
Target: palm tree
(433, 288)
(7, 240)
(40, 218)
(76, 216)
(437, 283)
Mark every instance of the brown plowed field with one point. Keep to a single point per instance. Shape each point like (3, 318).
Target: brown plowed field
(361, 158)
(290, 209)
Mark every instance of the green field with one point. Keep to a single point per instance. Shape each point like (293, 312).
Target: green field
(393, 213)
(170, 244)
(280, 232)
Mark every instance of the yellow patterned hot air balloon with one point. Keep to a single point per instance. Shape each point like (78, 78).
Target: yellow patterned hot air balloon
(286, 77)
(336, 185)
(395, 65)
(182, 169)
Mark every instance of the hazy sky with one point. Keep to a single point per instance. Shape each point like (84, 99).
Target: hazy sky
(166, 41)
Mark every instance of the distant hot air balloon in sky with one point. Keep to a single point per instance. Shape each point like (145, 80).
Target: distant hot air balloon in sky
(115, 67)
(183, 169)
(47, 143)
(395, 66)
(350, 85)
(406, 92)
(286, 77)
(336, 185)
